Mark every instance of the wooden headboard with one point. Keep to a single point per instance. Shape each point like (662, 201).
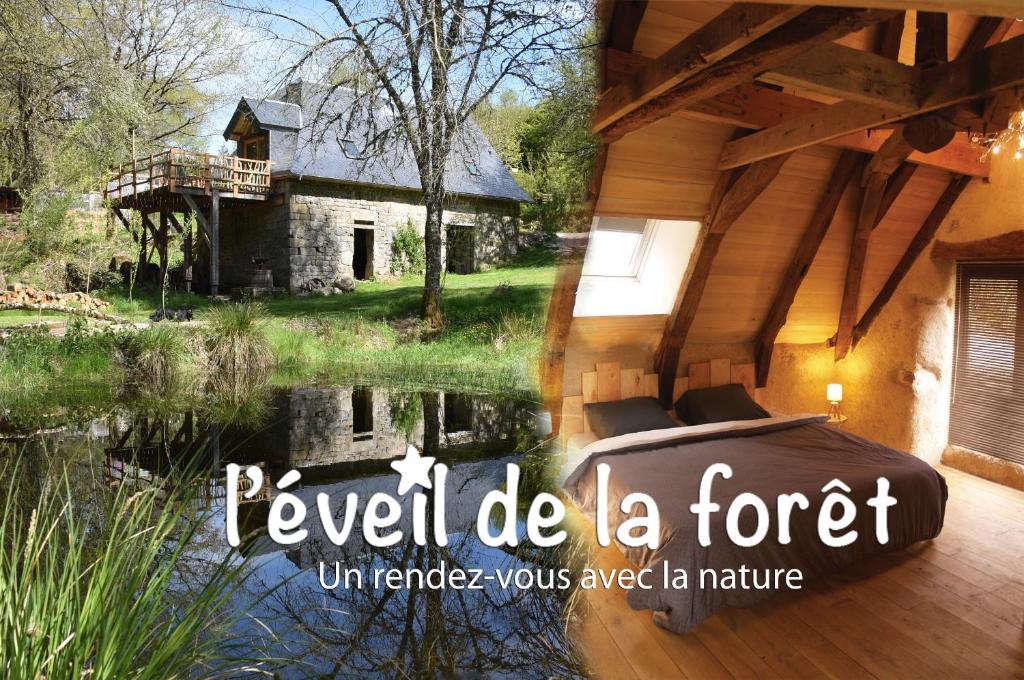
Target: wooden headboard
(609, 382)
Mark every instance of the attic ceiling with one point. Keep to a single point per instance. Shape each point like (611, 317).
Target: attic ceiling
(668, 165)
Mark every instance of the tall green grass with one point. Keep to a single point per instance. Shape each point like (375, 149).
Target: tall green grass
(237, 347)
(90, 591)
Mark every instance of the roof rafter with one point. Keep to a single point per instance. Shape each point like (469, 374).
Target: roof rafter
(914, 249)
(733, 194)
(995, 8)
(846, 170)
(736, 27)
(810, 29)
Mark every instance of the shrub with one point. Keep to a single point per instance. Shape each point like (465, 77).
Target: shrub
(154, 358)
(77, 277)
(408, 254)
(237, 345)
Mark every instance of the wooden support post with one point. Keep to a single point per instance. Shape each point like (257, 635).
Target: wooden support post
(917, 245)
(162, 246)
(188, 259)
(846, 169)
(214, 242)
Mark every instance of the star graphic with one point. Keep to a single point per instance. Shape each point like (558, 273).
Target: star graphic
(414, 468)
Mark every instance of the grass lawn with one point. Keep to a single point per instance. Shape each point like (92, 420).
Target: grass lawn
(494, 324)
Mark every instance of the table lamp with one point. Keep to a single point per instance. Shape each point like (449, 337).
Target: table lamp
(834, 394)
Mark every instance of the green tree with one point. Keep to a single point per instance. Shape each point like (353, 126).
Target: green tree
(557, 146)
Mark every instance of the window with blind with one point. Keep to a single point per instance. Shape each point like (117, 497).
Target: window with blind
(987, 411)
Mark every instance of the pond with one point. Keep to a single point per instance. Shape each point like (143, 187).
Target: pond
(342, 440)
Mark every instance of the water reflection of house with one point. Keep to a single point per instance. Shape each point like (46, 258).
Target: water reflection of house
(329, 433)
(332, 425)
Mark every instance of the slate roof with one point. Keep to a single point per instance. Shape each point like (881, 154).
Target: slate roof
(298, 149)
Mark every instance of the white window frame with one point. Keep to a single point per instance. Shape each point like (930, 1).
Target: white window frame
(640, 254)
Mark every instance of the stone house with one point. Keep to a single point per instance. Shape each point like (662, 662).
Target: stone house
(334, 210)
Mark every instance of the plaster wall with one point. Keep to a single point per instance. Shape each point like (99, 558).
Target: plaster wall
(897, 381)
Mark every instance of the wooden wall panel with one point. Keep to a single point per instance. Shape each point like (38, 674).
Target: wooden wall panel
(608, 381)
(572, 416)
(632, 383)
(746, 375)
(699, 376)
(718, 372)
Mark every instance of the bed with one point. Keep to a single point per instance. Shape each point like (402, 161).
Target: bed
(769, 456)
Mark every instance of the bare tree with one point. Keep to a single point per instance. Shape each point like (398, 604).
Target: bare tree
(415, 70)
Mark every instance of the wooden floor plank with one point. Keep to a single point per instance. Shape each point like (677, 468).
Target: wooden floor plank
(732, 651)
(775, 650)
(951, 607)
(600, 649)
(962, 648)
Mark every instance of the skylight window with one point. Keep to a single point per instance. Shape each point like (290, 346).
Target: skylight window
(617, 247)
(472, 168)
(350, 148)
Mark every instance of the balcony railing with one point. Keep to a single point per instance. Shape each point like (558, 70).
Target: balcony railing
(182, 171)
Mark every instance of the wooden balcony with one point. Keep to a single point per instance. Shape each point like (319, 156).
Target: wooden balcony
(178, 171)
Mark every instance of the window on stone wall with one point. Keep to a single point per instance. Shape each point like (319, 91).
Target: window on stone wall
(987, 410)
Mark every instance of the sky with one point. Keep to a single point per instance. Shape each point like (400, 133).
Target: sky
(268, 45)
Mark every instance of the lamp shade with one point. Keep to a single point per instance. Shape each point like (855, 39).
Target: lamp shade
(834, 392)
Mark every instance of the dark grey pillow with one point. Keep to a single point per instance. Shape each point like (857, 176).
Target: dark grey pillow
(717, 405)
(638, 414)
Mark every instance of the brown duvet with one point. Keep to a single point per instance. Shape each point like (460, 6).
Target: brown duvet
(768, 457)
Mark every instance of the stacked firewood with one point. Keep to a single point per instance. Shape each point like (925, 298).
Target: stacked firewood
(18, 294)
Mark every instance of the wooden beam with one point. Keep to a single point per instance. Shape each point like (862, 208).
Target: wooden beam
(847, 168)
(200, 217)
(626, 19)
(872, 199)
(556, 335)
(753, 107)
(850, 74)
(995, 8)
(814, 27)
(736, 27)
(733, 194)
(1008, 246)
(917, 245)
(994, 68)
(932, 45)
(987, 31)
(214, 243)
(890, 156)
(893, 188)
(890, 37)
(175, 223)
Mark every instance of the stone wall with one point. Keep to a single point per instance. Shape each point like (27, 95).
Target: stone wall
(257, 230)
(322, 428)
(896, 383)
(310, 239)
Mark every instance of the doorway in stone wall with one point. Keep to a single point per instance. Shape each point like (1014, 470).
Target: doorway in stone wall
(362, 254)
(461, 249)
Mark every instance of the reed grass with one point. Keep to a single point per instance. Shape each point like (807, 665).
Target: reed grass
(90, 590)
(238, 351)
